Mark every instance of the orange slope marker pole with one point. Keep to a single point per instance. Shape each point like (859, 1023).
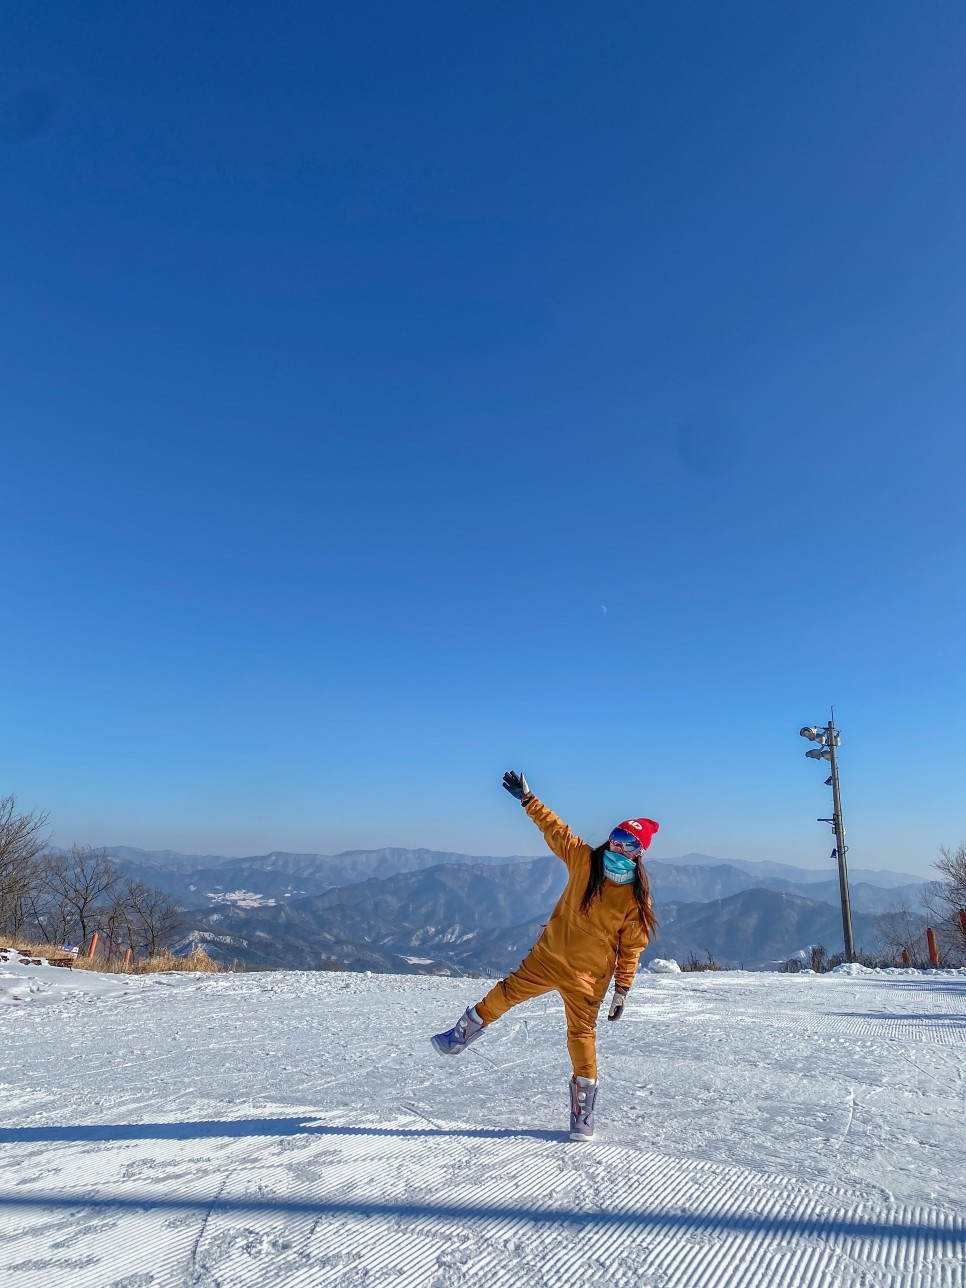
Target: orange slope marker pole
(933, 950)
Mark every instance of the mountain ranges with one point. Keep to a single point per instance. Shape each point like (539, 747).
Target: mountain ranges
(423, 911)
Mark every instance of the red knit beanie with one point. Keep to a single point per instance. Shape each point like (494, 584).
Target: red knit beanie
(643, 828)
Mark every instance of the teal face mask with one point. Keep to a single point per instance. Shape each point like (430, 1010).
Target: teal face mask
(618, 868)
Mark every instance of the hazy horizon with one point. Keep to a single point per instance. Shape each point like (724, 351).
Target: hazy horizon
(524, 855)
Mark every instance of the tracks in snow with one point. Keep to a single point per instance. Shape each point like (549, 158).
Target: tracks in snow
(751, 1131)
(411, 1204)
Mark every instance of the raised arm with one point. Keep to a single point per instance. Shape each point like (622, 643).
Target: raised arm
(556, 833)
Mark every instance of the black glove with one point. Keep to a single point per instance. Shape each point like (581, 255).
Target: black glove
(516, 785)
(617, 1005)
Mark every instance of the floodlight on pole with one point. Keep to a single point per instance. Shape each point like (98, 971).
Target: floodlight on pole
(828, 739)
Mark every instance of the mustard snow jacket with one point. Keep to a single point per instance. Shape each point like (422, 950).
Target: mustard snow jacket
(581, 950)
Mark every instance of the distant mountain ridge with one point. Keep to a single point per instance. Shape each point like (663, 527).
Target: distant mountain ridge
(756, 928)
(354, 865)
(767, 868)
(420, 910)
(321, 870)
(457, 918)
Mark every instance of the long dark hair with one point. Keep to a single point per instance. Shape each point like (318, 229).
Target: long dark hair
(642, 890)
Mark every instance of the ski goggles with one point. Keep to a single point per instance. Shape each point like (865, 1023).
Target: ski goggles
(626, 843)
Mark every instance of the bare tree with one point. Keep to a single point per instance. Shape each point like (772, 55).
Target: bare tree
(943, 901)
(155, 916)
(79, 886)
(901, 930)
(118, 924)
(21, 844)
(66, 895)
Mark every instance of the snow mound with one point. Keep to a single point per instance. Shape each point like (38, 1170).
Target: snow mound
(33, 979)
(855, 968)
(664, 966)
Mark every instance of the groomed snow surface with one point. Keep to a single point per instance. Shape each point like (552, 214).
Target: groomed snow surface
(299, 1129)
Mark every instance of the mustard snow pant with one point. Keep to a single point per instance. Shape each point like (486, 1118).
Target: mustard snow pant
(531, 979)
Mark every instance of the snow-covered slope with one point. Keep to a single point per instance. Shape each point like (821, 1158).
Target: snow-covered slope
(298, 1129)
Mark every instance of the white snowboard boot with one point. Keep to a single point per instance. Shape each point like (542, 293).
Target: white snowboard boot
(466, 1030)
(583, 1098)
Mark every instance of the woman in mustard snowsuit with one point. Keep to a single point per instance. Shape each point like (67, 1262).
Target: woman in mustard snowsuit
(599, 928)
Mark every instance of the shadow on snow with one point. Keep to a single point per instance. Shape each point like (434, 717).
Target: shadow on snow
(775, 1225)
(230, 1129)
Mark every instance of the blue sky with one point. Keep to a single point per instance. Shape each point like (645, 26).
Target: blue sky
(393, 394)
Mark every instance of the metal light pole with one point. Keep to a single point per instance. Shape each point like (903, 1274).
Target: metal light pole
(828, 739)
(832, 741)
